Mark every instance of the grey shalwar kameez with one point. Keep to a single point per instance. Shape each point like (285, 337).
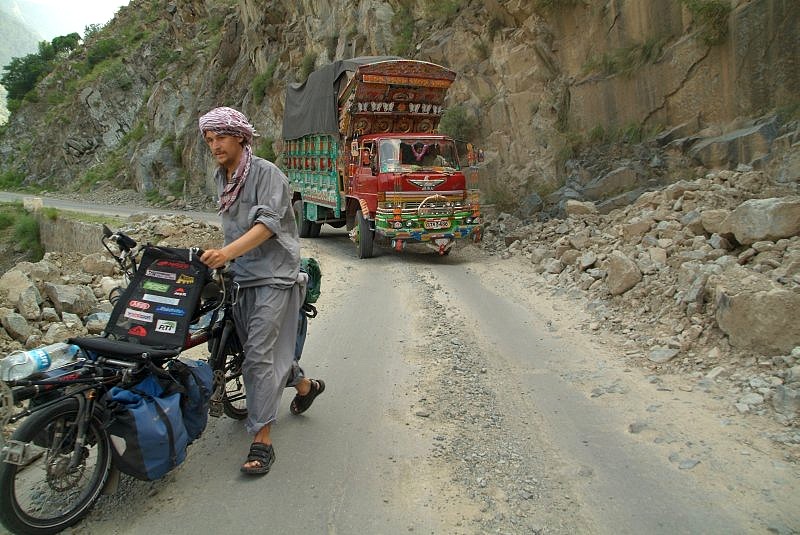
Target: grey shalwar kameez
(271, 288)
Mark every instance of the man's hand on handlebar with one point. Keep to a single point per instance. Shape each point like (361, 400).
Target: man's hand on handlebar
(214, 258)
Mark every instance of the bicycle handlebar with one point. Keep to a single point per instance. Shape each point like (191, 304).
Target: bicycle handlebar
(125, 242)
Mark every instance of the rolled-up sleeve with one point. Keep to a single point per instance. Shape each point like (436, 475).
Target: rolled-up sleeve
(265, 199)
(272, 202)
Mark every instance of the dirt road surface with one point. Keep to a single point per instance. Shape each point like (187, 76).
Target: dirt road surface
(463, 397)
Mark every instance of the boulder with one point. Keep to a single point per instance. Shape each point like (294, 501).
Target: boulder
(16, 326)
(577, 208)
(98, 264)
(617, 181)
(765, 219)
(75, 299)
(715, 221)
(12, 284)
(623, 273)
(740, 146)
(28, 303)
(757, 314)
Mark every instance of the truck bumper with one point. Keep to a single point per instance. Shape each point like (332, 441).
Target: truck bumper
(421, 235)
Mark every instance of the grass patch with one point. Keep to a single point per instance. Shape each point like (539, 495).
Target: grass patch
(26, 234)
(111, 221)
(555, 5)
(712, 19)
(109, 170)
(50, 213)
(626, 60)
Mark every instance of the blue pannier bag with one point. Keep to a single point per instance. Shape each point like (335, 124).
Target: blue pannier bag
(147, 432)
(197, 379)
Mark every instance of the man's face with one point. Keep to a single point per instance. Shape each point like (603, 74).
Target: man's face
(226, 149)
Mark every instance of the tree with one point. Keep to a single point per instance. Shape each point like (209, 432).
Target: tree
(21, 75)
(66, 43)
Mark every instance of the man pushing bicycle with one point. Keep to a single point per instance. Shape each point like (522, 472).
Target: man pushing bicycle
(260, 232)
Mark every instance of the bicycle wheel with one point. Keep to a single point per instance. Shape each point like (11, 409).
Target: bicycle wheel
(228, 368)
(47, 495)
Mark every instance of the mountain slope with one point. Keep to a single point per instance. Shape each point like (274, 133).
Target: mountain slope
(537, 82)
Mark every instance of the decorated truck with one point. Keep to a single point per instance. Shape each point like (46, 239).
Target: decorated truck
(361, 150)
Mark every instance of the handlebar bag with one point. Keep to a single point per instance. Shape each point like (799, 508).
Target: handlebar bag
(146, 428)
(161, 300)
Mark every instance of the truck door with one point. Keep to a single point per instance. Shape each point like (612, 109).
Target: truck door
(365, 182)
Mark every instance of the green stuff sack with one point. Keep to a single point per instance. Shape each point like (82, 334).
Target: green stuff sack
(311, 266)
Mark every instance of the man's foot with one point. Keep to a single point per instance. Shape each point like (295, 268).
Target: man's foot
(259, 459)
(300, 404)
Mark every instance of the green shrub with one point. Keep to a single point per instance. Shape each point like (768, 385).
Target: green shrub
(50, 213)
(26, 234)
(175, 187)
(712, 17)
(403, 20)
(11, 180)
(262, 82)
(597, 134)
(136, 133)
(457, 124)
(6, 220)
(103, 49)
(265, 150)
(307, 66)
(153, 196)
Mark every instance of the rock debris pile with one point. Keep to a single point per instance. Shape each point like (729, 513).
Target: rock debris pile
(701, 277)
(66, 294)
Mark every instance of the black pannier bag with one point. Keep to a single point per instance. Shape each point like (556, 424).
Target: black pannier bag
(157, 306)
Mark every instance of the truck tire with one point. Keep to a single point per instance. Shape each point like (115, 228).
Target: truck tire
(303, 224)
(365, 236)
(315, 228)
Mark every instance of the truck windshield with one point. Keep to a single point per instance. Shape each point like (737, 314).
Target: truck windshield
(407, 155)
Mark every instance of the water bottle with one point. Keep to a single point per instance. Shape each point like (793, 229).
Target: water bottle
(23, 364)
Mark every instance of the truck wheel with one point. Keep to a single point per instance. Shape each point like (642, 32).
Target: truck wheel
(365, 236)
(315, 228)
(303, 224)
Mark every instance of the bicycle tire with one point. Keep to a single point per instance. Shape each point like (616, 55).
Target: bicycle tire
(228, 364)
(52, 484)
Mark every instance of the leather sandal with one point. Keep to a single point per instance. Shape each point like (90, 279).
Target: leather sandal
(260, 453)
(300, 404)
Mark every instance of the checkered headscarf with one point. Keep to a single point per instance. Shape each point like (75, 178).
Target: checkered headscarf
(229, 122)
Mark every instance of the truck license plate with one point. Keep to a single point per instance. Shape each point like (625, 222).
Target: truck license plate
(437, 223)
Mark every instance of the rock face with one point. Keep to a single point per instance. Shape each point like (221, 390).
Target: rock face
(531, 78)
